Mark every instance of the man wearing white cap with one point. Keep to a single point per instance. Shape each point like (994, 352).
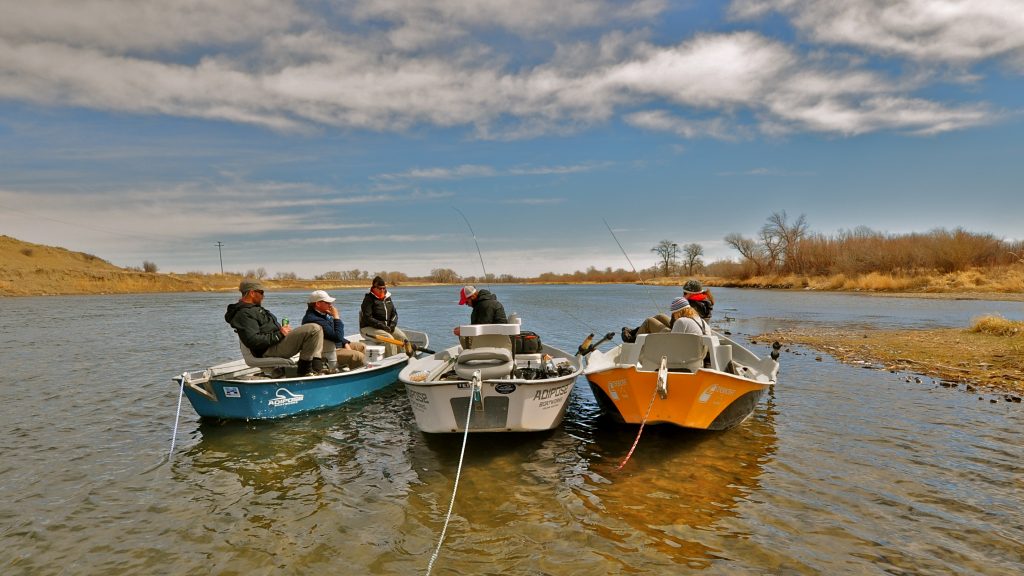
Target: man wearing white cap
(320, 309)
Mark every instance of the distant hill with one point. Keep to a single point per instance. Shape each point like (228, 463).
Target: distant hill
(36, 269)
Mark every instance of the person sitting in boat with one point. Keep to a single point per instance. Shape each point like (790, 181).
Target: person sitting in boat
(320, 309)
(653, 325)
(378, 317)
(486, 308)
(660, 323)
(265, 337)
(685, 318)
(699, 297)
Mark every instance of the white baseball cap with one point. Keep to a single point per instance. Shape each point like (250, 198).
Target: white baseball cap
(319, 296)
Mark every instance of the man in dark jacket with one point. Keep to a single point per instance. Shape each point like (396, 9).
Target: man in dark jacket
(320, 309)
(378, 317)
(699, 297)
(486, 308)
(262, 334)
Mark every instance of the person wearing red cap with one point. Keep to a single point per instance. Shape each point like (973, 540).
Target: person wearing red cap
(486, 308)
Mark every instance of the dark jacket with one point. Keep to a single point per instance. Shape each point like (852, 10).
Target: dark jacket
(702, 305)
(487, 309)
(377, 313)
(257, 328)
(334, 329)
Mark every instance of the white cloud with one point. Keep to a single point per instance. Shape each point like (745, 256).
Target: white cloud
(296, 74)
(140, 25)
(664, 121)
(956, 31)
(420, 23)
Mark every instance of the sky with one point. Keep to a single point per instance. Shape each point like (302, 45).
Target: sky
(328, 135)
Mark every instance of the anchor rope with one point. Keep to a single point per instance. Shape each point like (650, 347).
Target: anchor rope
(641, 431)
(458, 474)
(177, 415)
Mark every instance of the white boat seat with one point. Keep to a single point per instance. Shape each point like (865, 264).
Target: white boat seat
(683, 351)
(330, 353)
(487, 329)
(269, 362)
(492, 362)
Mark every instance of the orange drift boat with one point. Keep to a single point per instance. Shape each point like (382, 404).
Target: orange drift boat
(704, 382)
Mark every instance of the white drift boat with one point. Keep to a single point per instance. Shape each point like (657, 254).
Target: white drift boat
(506, 391)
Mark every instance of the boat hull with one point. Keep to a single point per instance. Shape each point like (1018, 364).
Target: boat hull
(705, 400)
(268, 399)
(500, 405)
(236, 391)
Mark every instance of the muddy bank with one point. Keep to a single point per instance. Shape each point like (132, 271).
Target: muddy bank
(955, 357)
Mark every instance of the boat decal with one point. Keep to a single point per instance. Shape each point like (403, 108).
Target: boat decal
(611, 388)
(464, 385)
(232, 392)
(505, 388)
(419, 400)
(706, 395)
(285, 397)
(555, 392)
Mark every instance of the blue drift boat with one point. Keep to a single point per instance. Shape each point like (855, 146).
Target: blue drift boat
(265, 389)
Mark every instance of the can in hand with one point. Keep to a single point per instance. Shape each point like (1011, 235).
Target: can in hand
(284, 321)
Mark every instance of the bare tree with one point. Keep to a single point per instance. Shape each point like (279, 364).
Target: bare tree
(691, 257)
(148, 266)
(748, 249)
(667, 252)
(783, 239)
(443, 276)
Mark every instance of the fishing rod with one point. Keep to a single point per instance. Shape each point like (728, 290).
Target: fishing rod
(646, 288)
(473, 234)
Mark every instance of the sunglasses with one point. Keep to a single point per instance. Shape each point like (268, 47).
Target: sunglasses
(260, 292)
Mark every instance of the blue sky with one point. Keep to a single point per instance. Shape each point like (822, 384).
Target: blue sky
(310, 136)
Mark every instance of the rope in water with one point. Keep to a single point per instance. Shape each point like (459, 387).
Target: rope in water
(177, 415)
(458, 474)
(641, 431)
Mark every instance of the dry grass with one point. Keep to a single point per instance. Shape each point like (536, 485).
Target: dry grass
(997, 326)
(989, 354)
(1004, 280)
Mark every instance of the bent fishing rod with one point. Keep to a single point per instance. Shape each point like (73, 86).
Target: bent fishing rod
(646, 289)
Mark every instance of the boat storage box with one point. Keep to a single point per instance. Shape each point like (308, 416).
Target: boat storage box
(374, 353)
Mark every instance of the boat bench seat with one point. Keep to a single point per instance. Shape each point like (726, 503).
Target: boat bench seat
(269, 362)
(487, 352)
(683, 352)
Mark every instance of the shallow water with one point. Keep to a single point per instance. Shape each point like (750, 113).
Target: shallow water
(841, 470)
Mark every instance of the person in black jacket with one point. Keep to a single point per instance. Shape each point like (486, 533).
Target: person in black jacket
(378, 317)
(265, 337)
(320, 309)
(486, 308)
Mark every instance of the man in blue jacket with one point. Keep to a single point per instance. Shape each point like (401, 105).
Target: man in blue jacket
(320, 309)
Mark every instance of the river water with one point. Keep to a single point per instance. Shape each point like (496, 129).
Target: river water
(841, 470)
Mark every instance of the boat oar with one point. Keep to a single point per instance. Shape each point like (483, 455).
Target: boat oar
(410, 348)
(586, 347)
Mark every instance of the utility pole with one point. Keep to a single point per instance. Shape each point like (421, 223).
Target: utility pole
(218, 245)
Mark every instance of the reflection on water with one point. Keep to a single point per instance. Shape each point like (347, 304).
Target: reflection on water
(839, 470)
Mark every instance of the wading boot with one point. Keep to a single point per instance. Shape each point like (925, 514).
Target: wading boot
(318, 366)
(305, 367)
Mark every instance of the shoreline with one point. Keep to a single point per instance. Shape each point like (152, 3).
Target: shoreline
(981, 363)
(292, 285)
